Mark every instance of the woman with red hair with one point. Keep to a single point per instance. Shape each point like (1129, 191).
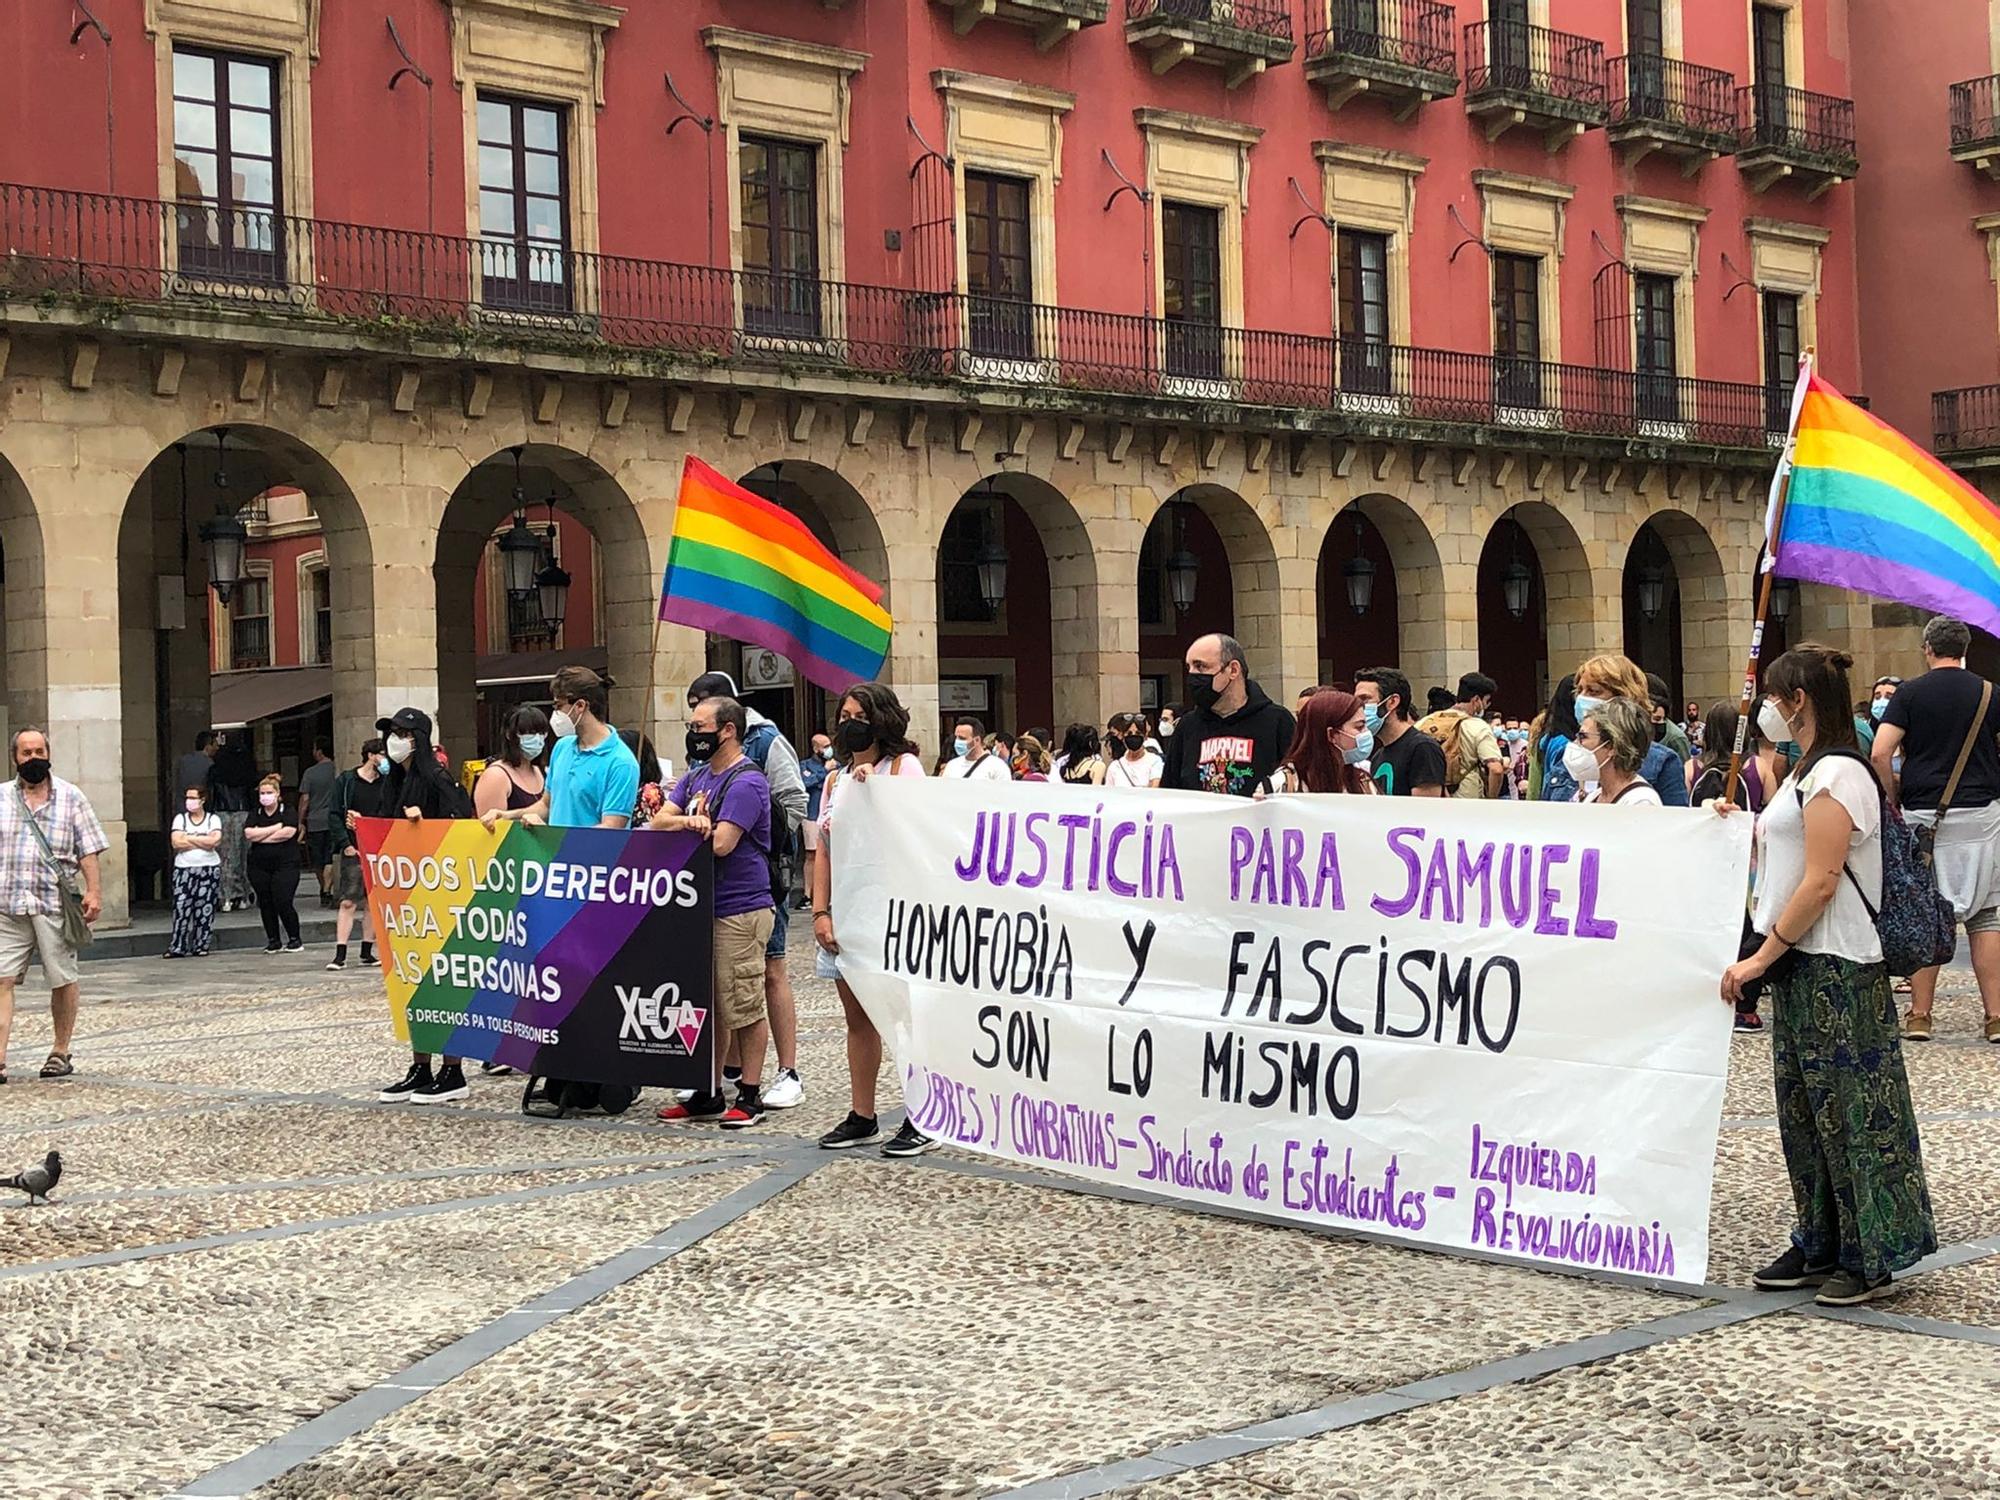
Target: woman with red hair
(1330, 748)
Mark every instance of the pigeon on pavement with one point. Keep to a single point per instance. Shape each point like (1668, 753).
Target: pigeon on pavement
(38, 1182)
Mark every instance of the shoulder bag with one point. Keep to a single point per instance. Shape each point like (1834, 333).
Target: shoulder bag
(75, 930)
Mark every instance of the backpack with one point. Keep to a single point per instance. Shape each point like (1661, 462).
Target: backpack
(559, 1099)
(757, 745)
(781, 883)
(1916, 924)
(1446, 726)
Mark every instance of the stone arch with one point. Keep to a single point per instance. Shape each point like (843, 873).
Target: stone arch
(165, 651)
(1256, 599)
(1050, 614)
(1558, 628)
(622, 585)
(1406, 612)
(1688, 642)
(24, 643)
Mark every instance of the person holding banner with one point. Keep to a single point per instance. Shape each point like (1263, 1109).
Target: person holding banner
(1844, 1115)
(515, 778)
(1610, 747)
(872, 737)
(1331, 747)
(725, 798)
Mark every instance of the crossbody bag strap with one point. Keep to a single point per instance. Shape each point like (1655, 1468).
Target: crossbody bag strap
(48, 851)
(1964, 754)
(1847, 869)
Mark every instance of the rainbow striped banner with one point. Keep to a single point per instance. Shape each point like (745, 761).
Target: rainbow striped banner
(1869, 510)
(740, 566)
(574, 953)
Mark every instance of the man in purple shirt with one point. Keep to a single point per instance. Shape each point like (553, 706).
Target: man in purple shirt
(728, 801)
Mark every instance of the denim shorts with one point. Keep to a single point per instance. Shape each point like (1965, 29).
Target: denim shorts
(780, 926)
(825, 965)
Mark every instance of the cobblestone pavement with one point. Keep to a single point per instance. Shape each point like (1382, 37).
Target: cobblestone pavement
(256, 1281)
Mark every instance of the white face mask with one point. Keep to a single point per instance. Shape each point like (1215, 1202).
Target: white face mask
(400, 747)
(1772, 722)
(1581, 763)
(563, 725)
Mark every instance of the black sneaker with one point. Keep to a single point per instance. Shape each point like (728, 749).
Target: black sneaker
(855, 1130)
(496, 1070)
(745, 1112)
(367, 956)
(450, 1085)
(419, 1077)
(294, 945)
(273, 948)
(1789, 1272)
(334, 966)
(694, 1107)
(909, 1141)
(1845, 1289)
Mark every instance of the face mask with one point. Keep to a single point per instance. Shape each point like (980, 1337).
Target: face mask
(961, 748)
(1876, 709)
(381, 765)
(1202, 689)
(1581, 762)
(194, 807)
(532, 745)
(269, 800)
(1166, 729)
(1659, 732)
(1773, 724)
(563, 725)
(1371, 715)
(1586, 706)
(35, 771)
(400, 748)
(702, 744)
(1364, 747)
(1134, 743)
(855, 735)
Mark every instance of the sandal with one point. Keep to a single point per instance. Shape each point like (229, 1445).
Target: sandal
(58, 1066)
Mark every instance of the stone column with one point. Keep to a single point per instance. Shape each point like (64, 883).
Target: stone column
(1099, 676)
(905, 505)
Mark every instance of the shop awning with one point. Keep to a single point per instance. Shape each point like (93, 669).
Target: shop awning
(518, 668)
(240, 698)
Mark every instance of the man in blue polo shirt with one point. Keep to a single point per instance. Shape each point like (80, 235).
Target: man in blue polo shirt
(593, 779)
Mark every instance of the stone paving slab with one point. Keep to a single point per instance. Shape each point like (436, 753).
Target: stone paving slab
(885, 1328)
(1782, 1406)
(126, 1381)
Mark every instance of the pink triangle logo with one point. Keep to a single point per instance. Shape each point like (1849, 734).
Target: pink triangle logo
(688, 1022)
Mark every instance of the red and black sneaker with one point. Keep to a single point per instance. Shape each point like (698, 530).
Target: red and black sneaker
(748, 1110)
(694, 1107)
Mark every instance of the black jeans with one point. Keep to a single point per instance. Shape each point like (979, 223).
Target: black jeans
(275, 886)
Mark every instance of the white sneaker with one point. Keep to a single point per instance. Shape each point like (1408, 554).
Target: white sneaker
(783, 1091)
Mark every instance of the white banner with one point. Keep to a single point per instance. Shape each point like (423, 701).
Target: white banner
(1487, 1025)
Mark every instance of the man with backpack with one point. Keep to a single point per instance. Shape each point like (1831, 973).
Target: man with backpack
(1473, 765)
(778, 764)
(725, 798)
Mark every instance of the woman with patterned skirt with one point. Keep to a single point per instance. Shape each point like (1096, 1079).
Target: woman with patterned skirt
(1844, 1115)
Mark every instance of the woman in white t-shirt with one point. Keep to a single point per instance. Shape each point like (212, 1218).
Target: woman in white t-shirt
(1844, 1116)
(196, 839)
(1608, 753)
(1131, 763)
(871, 737)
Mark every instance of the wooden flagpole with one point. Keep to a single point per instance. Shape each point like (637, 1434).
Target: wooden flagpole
(1768, 567)
(652, 668)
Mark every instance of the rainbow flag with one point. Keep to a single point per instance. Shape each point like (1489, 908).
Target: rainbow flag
(1871, 511)
(742, 567)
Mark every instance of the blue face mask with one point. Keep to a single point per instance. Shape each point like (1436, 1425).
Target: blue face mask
(1876, 709)
(532, 744)
(1586, 706)
(1364, 747)
(961, 748)
(1371, 715)
(381, 765)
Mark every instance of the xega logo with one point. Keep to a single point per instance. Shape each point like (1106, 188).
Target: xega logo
(661, 1016)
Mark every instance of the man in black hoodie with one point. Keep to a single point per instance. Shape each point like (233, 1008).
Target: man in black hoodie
(1233, 737)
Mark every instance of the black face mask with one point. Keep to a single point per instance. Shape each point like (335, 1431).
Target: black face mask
(855, 735)
(35, 771)
(1660, 731)
(1134, 743)
(702, 744)
(1202, 689)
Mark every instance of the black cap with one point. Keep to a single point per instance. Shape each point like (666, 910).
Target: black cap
(712, 685)
(407, 720)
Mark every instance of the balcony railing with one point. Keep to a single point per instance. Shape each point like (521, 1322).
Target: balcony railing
(1666, 91)
(1266, 18)
(249, 642)
(1515, 58)
(1975, 113)
(1795, 121)
(1966, 421)
(405, 284)
(1413, 34)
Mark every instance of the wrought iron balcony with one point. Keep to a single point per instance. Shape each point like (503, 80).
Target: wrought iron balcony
(1530, 76)
(1398, 51)
(1975, 123)
(1794, 133)
(1679, 108)
(401, 287)
(1965, 423)
(1242, 37)
(1052, 21)
(249, 642)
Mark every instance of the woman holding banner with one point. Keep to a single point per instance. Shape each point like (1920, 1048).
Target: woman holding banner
(1844, 1116)
(1330, 747)
(517, 776)
(871, 738)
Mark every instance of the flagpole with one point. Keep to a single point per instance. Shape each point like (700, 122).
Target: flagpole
(1774, 526)
(652, 660)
